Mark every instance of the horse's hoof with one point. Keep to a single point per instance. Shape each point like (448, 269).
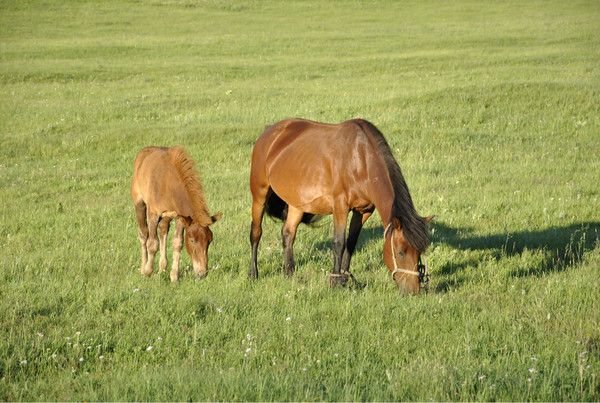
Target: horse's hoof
(253, 275)
(201, 275)
(289, 272)
(338, 280)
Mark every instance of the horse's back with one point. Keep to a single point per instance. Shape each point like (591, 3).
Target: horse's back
(152, 172)
(309, 163)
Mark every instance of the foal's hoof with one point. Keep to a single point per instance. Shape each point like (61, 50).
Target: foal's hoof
(201, 275)
(338, 280)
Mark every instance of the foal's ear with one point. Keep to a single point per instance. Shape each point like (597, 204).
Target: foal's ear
(216, 217)
(429, 218)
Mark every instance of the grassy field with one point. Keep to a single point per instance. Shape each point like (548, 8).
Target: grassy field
(492, 111)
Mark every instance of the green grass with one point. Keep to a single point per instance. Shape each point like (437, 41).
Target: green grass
(491, 110)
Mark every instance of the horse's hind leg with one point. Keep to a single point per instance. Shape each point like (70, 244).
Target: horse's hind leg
(163, 232)
(288, 234)
(140, 216)
(151, 243)
(258, 210)
(177, 245)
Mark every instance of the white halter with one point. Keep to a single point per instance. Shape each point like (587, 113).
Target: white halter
(396, 268)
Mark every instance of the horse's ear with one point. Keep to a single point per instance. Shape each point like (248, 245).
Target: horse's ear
(216, 217)
(396, 223)
(429, 219)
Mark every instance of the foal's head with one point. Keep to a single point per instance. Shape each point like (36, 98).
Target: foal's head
(402, 259)
(197, 239)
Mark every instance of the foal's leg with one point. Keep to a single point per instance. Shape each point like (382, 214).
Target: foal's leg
(356, 224)
(258, 210)
(151, 243)
(288, 234)
(177, 245)
(140, 216)
(163, 232)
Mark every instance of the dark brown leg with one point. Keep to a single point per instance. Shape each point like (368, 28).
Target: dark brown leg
(340, 217)
(288, 234)
(258, 210)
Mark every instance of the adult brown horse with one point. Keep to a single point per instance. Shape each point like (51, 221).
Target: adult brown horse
(166, 185)
(303, 169)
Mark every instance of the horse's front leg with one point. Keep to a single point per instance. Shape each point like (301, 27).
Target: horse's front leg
(288, 235)
(151, 243)
(340, 217)
(356, 224)
(177, 246)
(163, 232)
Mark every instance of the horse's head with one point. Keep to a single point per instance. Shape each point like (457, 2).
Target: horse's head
(402, 259)
(197, 239)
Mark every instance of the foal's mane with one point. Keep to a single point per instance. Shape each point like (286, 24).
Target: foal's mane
(186, 168)
(414, 226)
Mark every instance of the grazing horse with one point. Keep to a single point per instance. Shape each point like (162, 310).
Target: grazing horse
(303, 169)
(166, 185)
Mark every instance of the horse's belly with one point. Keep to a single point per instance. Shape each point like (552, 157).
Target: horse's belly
(310, 199)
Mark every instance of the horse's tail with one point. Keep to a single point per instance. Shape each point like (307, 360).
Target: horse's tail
(275, 207)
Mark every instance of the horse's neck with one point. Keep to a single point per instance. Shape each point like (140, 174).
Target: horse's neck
(381, 191)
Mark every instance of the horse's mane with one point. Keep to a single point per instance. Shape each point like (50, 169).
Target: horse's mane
(193, 185)
(414, 226)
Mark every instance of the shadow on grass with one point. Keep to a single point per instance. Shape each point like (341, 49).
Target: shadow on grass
(563, 246)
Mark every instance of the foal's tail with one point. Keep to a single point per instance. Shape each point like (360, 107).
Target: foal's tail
(275, 207)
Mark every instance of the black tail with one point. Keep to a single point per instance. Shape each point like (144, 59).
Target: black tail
(277, 208)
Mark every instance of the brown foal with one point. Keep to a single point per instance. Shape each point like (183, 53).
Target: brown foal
(166, 186)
